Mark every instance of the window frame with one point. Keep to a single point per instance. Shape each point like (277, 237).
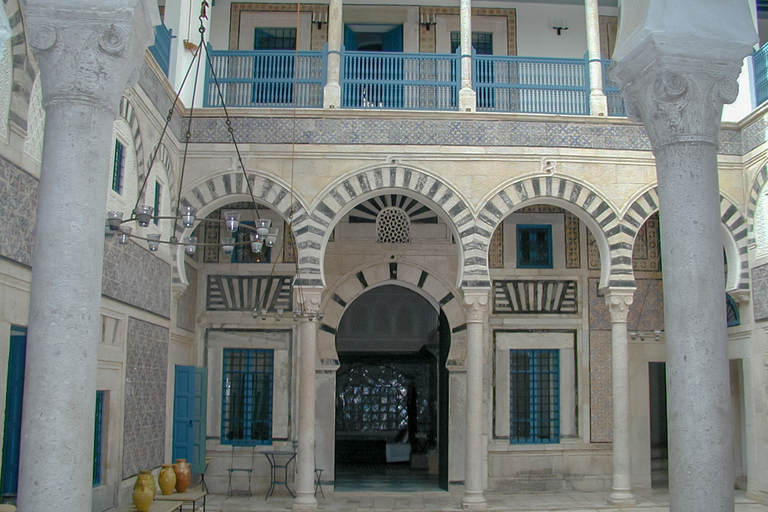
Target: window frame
(118, 168)
(522, 229)
(536, 402)
(247, 414)
(157, 204)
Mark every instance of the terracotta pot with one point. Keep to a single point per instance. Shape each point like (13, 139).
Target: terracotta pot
(183, 474)
(142, 492)
(167, 479)
(152, 482)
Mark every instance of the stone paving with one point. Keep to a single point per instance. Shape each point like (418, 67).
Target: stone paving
(647, 501)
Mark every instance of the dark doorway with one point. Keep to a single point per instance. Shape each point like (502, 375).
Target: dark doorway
(391, 413)
(14, 397)
(657, 377)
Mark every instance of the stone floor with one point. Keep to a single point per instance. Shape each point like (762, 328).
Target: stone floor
(647, 501)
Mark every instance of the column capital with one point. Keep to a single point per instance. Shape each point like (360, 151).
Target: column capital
(676, 71)
(477, 301)
(308, 298)
(618, 302)
(89, 51)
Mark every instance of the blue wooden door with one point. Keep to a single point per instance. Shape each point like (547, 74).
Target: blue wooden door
(14, 396)
(198, 435)
(184, 413)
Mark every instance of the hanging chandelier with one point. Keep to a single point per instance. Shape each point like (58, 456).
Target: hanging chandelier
(260, 235)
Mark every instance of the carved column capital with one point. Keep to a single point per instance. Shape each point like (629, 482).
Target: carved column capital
(680, 100)
(476, 300)
(618, 302)
(308, 298)
(89, 51)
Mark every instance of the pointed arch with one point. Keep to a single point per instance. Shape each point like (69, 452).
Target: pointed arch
(312, 231)
(613, 238)
(735, 234)
(214, 191)
(406, 274)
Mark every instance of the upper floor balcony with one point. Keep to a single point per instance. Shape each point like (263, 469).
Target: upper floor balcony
(409, 81)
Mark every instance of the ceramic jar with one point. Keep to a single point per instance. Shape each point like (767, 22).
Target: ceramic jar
(167, 479)
(152, 482)
(142, 492)
(183, 474)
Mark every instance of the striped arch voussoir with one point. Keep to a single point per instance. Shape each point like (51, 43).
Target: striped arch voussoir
(618, 236)
(23, 73)
(754, 194)
(127, 112)
(647, 204)
(414, 182)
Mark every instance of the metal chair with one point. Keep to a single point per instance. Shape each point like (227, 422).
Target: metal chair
(240, 469)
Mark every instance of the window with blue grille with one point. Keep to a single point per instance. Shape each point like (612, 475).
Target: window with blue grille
(534, 246)
(118, 167)
(534, 396)
(98, 438)
(246, 402)
(274, 39)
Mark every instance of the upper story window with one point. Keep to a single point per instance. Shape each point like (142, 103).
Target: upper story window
(482, 42)
(157, 203)
(118, 168)
(534, 396)
(373, 38)
(534, 246)
(278, 38)
(246, 403)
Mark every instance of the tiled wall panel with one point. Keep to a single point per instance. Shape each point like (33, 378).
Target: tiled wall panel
(18, 205)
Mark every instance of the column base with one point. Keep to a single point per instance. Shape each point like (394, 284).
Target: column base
(304, 503)
(598, 104)
(467, 99)
(622, 499)
(474, 500)
(332, 96)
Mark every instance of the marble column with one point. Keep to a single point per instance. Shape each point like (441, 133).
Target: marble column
(477, 317)
(676, 71)
(88, 53)
(598, 103)
(618, 301)
(467, 96)
(309, 302)
(332, 91)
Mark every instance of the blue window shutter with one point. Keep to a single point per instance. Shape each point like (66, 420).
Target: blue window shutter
(184, 413)
(9, 478)
(198, 436)
(393, 40)
(350, 39)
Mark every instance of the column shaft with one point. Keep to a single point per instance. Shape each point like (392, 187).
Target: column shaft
(598, 104)
(305, 460)
(698, 387)
(467, 99)
(332, 92)
(473, 473)
(618, 303)
(60, 379)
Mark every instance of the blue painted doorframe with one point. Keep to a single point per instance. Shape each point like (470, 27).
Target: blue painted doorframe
(14, 396)
(198, 435)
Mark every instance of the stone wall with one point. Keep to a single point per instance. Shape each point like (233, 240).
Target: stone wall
(186, 308)
(145, 389)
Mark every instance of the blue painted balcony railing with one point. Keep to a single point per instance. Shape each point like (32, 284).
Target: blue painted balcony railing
(412, 81)
(760, 64)
(266, 78)
(161, 50)
(531, 85)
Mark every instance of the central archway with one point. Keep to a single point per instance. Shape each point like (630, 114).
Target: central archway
(391, 392)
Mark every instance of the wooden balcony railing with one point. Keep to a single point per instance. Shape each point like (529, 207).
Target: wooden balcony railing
(408, 81)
